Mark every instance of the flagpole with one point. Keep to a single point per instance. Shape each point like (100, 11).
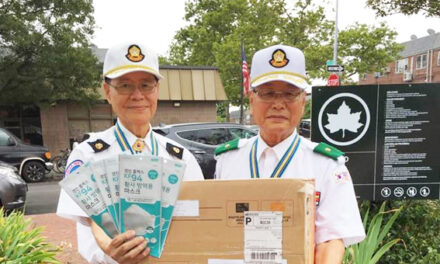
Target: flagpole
(242, 87)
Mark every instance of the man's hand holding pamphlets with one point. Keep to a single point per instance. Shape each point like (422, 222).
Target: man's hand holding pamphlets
(129, 192)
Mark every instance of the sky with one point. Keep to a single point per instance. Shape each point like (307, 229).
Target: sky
(157, 21)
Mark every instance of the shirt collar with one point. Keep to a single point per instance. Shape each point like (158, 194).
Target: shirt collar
(279, 149)
(131, 138)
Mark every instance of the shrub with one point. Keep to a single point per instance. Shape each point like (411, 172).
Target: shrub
(376, 244)
(418, 226)
(20, 243)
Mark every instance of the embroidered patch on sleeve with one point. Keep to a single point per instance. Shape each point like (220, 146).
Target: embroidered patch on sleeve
(74, 165)
(342, 176)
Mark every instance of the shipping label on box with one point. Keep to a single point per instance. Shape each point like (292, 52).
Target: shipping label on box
(263, 236)
(216, 233)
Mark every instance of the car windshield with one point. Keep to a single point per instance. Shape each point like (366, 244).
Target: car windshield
(215, 136)
(210, 136)
(4, 137)
(242, 133)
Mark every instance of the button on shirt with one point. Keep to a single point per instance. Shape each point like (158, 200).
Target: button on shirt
(337, 215)
(84, 153)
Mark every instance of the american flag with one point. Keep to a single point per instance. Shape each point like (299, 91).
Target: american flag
(245, 72)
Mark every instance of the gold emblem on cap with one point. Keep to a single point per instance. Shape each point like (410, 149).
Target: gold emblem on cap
(279, 59)
(328, 149)
(176, 150)
(134, 53)
(99, 146)
(227, 145)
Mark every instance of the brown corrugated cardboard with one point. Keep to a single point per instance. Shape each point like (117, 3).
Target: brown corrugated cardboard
(217, 233)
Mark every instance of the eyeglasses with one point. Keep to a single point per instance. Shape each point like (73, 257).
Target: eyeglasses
(145, 87)
(269, 95)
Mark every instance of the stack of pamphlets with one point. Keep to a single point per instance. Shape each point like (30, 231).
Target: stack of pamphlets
(129, 192)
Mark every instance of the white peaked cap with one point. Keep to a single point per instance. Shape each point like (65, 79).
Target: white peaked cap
(279, 63)
(130, 57)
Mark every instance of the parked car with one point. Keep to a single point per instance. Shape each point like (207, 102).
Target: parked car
(12, 188)
(203, 138)
(304, 128)
(32, 161)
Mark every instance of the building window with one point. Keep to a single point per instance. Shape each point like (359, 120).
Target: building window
(421, 62)
(402, 65)
(438, 58)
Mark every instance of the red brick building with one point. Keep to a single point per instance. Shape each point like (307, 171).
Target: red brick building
(419, 63)
(187, 94)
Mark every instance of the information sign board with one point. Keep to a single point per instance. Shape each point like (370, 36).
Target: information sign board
(390, 134)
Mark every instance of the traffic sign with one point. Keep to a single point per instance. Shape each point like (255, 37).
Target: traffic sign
(335, 68)
(330, 62)
(333, 80)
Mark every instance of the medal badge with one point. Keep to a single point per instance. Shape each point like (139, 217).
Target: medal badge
(139, 145)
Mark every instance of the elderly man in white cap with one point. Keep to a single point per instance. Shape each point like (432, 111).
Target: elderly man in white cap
(131, 85)
(277, 100)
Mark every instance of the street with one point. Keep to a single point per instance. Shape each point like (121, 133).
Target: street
(42, 197)
(41, 204)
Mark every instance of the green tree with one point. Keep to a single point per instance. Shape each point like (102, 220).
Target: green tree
(45, 53)
(217, 27)
(222, 107)
(388, 7)
(164, 60)
(366, 49)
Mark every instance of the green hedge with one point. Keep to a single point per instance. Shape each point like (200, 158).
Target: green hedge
(418, 227)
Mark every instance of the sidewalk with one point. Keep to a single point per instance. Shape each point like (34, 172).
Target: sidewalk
(60, 232)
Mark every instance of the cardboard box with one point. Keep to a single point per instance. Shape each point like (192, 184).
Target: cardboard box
(218, 231)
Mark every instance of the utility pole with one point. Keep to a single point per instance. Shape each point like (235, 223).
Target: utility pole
(242, 83)
(335, 45)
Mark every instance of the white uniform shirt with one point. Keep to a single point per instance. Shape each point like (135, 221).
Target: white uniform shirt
(337, 214)
(84, 153)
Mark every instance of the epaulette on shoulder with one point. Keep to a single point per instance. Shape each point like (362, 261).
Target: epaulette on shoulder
(329, 151)
(225, 147)
(98, 145)
(174, 150)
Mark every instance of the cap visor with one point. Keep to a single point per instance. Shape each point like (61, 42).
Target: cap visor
(119, 73)
(292, 79)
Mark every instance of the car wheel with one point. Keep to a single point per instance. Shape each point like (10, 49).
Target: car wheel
(33, 171)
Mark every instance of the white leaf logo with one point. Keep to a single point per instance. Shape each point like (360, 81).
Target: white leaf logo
(344, 120)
